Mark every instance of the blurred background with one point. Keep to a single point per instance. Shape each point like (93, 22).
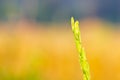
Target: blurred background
(36, 41)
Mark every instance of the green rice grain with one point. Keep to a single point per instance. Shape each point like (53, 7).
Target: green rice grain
(82, 57)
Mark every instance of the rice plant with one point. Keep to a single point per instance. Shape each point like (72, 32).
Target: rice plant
(82, 57)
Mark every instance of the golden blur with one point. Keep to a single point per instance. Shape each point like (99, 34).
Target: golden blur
(30, 51)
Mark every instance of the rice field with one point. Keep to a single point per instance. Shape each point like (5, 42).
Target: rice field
(31, 51)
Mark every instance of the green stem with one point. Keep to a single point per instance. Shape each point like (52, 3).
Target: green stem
(82, 57)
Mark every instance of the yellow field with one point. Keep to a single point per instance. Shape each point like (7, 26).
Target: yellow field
(31, 52)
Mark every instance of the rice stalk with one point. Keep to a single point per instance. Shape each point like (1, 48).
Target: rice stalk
(82, 56)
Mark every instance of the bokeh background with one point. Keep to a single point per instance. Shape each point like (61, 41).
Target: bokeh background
(36, 41)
